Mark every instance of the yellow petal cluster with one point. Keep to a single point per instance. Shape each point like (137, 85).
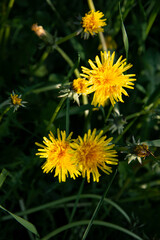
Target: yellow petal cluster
(92, 22)
(106, 79)
(94, 152)
(58, 155)
(15, 99)
(81, 156)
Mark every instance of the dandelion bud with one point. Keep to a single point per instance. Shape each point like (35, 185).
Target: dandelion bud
(43, 34)
(16, 101)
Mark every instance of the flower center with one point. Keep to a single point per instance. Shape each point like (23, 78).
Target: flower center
(16, 100)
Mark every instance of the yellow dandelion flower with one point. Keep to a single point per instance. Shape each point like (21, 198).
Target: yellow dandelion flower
(80, 85)
(93, 152)
(107, 80)
(59, 156)
(15, 99)
(92, 22)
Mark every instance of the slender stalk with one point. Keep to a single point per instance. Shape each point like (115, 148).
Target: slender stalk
(138, 114)
(5, 111)
(67, 116)
(68, 60)
(98, 208)
(102, 39)
(101, 36)
(22, 206)
(10, 6)
(77, 200)
(91, 5)
(125, 130)
(85, 222)
(109, 113)
(76, 72)
(64, 39)
(56, 112)
(78, 196)
(65, 201)
(85, 101)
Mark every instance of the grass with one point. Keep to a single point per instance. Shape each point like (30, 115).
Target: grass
(35, 205)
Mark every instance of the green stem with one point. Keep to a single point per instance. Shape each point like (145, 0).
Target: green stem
(98, 208)
(5, 111)
(125, 130)
(10, 6)
(143, 112)
(85, 222)
(76, 72)
(91, 5)
(77, 200)
(56, 112)
(103, 42)
(101, 36)
(68, 60)
(67, 116)
(64, 39)
(109, 113)
(85, 101)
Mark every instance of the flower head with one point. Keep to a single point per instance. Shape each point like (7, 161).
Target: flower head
(80, 85)
(67, 91)
(42, 33)
(138, 151)
(93, 152)
(92, 23)
(107, 80)
(59, 156)
(39, 30)
(15, 101)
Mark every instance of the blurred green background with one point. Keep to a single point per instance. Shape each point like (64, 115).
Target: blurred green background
(26, 68)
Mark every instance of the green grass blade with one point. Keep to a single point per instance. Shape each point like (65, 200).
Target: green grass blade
(152, 17)
(98, 207)
(55, 113)
(124, 34)
(3, 176)
(95, 222)
(68, 199)
(77, 200)
(29, 226)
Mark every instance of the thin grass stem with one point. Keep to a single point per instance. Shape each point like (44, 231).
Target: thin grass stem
(98, 208)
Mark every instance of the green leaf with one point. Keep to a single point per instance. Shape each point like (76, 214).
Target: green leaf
(68, 199)
(124, 34)
(152, 17)
(98, 207)
(155, 143)
(96, 222)
(3, 176)
(29, 226)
